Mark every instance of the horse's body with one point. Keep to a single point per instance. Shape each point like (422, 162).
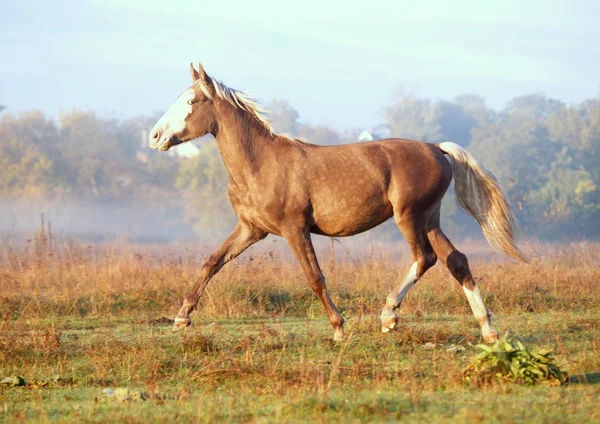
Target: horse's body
(339, 190)
(291, 188)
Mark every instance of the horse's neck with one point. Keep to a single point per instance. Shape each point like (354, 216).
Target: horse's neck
(244, 146)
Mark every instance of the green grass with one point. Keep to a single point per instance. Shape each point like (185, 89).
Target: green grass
(274, 370)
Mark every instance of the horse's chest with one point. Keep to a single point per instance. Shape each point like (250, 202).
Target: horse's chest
(256, 209)
(240, 200)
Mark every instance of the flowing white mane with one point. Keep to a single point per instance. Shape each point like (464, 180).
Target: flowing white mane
(238, 99)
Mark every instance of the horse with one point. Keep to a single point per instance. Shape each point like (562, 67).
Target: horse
(291, 188)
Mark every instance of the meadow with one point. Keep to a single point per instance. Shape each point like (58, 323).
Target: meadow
(87, 328)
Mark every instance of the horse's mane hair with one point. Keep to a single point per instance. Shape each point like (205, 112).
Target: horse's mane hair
(237, 99)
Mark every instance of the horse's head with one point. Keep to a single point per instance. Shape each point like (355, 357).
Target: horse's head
(192, 115)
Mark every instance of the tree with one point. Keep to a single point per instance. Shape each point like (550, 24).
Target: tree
(283, 117)
(536, 105)
(475, 106)
(454, 122)
(413, 118)
(26, 168)
(318, 135)
(98, 156)
(567, 199)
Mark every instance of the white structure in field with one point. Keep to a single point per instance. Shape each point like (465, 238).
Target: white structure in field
(368, 136)
(185, 150)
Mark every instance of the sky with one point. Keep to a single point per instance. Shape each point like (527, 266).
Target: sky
(339, 63)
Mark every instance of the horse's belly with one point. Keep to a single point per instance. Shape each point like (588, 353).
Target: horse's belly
(350, 215)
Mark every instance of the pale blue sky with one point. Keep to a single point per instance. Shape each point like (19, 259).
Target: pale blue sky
(337, 62)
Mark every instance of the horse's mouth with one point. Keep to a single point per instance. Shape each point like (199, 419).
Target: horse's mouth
(164, 146)
(167, 143)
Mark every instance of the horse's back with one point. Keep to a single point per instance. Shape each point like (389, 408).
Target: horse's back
(355, 187)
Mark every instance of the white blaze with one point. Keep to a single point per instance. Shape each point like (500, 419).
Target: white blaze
(173, 121)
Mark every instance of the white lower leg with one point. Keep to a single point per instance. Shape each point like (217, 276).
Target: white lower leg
(480, 312)
(394, 300)
(338, 334)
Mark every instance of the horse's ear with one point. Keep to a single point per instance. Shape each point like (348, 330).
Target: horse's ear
(203, 75)
(194, 73)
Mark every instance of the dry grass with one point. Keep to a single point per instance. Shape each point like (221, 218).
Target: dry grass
(261, 348)
(91, 280)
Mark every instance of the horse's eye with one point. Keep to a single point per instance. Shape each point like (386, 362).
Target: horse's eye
(190, 102)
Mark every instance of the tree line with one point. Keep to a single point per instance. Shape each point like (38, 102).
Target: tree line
(544, 152)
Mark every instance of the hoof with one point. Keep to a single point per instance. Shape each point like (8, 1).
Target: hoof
(490, 337)
(181, 323)
(388, 321)
(338, 336)
(388, 327)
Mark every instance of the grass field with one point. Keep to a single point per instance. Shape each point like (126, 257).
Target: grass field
(261, 349)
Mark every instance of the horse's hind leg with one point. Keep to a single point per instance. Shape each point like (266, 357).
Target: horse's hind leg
(458, 265)
(423, 258)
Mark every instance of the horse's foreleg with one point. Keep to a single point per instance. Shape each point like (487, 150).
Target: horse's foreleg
(301, 244)
(239, 240)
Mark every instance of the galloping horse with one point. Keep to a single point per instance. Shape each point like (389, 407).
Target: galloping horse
(290, 188)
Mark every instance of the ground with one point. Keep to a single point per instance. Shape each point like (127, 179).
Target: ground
(261, 350)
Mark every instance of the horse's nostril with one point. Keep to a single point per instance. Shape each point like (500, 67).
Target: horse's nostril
(154, 135)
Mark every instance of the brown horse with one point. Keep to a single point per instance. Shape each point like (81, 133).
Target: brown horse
(290, 188)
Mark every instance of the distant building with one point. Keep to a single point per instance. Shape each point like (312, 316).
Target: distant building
(184, 150)
(368, 136)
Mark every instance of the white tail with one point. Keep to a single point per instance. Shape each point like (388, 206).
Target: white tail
(479, 194)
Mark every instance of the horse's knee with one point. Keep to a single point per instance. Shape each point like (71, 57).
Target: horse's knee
(212, 263)
(317, 284)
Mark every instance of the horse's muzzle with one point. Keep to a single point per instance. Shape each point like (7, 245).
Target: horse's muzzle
(163, 143)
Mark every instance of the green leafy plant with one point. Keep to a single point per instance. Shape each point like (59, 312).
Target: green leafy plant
(509, 360)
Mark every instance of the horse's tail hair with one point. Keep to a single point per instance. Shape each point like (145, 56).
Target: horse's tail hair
(480, 195)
